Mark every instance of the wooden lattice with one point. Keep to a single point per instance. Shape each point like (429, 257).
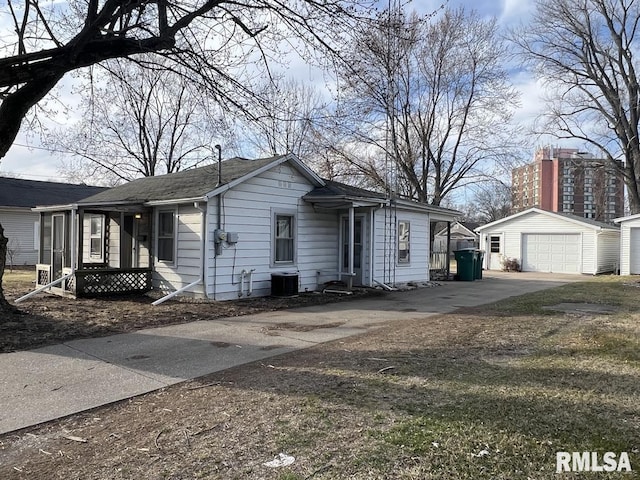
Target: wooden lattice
(70, 284)
(42, 276)
(110, 282)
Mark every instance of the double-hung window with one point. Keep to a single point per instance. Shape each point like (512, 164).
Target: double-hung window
(284, 238)
(96, 238)
(404, 230)
(166, 236)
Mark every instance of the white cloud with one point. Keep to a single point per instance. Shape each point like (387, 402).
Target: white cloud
(515, 11)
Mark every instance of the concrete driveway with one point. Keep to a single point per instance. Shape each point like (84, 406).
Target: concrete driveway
(47, 383)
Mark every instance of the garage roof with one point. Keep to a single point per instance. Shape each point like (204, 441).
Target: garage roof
(562, 216)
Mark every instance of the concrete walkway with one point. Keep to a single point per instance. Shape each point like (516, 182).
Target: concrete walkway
(52, 382)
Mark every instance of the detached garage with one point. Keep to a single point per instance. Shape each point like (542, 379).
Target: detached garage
(544, 241)
(629, 244)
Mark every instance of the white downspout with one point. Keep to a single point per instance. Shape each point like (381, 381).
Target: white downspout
(203, 225)
(242, 275)
(251, 282)
(46, 287)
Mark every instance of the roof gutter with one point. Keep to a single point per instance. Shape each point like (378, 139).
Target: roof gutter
(158, 203)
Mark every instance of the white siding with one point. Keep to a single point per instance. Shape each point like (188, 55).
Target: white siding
(247, 210)
(537, 223)
(630, 247)
(20, 228)
(186, 267)
(113, 226)
(608, 252)
(386, 267)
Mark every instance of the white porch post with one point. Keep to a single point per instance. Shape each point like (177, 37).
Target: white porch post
(352, 237)
(72, 250)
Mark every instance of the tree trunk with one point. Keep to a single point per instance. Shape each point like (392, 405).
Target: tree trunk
(632, 181)
(5, 306)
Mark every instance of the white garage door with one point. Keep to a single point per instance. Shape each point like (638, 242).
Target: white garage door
(551, 252)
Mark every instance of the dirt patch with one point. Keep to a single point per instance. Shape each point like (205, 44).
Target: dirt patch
(48, 319)
(300, 327)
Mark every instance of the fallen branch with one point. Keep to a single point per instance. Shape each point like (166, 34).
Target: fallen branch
(197, 387)
(382, 370)
(75, 439)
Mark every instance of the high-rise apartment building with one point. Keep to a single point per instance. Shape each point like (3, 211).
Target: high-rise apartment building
(569, 181)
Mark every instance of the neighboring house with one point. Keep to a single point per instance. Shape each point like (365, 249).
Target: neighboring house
(461, 235)
(629, 244)
(544, 241)
(21, 227)
(222, 234)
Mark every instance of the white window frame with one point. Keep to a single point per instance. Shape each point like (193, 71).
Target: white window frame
(492, 244)
(407, 240)
(275, 213)
(96, 258)
(174, 236)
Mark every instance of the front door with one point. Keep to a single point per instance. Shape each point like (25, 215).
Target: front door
(494, 251)
(357, 248)
(57, 245)
(129, 253)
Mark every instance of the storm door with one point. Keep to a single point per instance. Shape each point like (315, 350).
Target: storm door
(129, 253)
(57, 245)
(357, 248)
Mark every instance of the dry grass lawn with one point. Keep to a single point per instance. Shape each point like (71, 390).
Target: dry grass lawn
(486, 393)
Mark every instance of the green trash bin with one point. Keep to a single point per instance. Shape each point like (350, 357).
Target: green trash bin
(466, 264)
(478, 264)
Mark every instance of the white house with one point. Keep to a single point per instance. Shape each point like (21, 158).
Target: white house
(543, 241)
(629, 244)
(457, 236)
(222, 231)
(21, 226)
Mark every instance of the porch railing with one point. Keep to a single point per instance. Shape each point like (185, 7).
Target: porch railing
(94, 282)
(109, 281)
(438, 261)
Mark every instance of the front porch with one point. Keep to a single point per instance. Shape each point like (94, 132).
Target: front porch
(93, 282)
(90, 251)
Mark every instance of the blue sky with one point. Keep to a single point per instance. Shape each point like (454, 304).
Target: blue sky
(40, 164)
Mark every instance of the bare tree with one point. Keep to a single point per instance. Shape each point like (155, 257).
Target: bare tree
(211, 41)
(139, 122)
(431, 103)
(13, 248)
(285, 118)
(491, 201)
(586, 53)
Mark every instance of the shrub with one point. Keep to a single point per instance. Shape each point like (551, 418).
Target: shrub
(511, 265)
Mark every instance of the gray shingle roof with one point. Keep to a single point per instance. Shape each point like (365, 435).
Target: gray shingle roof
(588, 221)
(17, 192)
(333, 188)
(192, 183)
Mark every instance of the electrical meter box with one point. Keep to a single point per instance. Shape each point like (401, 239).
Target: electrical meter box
(219, 236)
